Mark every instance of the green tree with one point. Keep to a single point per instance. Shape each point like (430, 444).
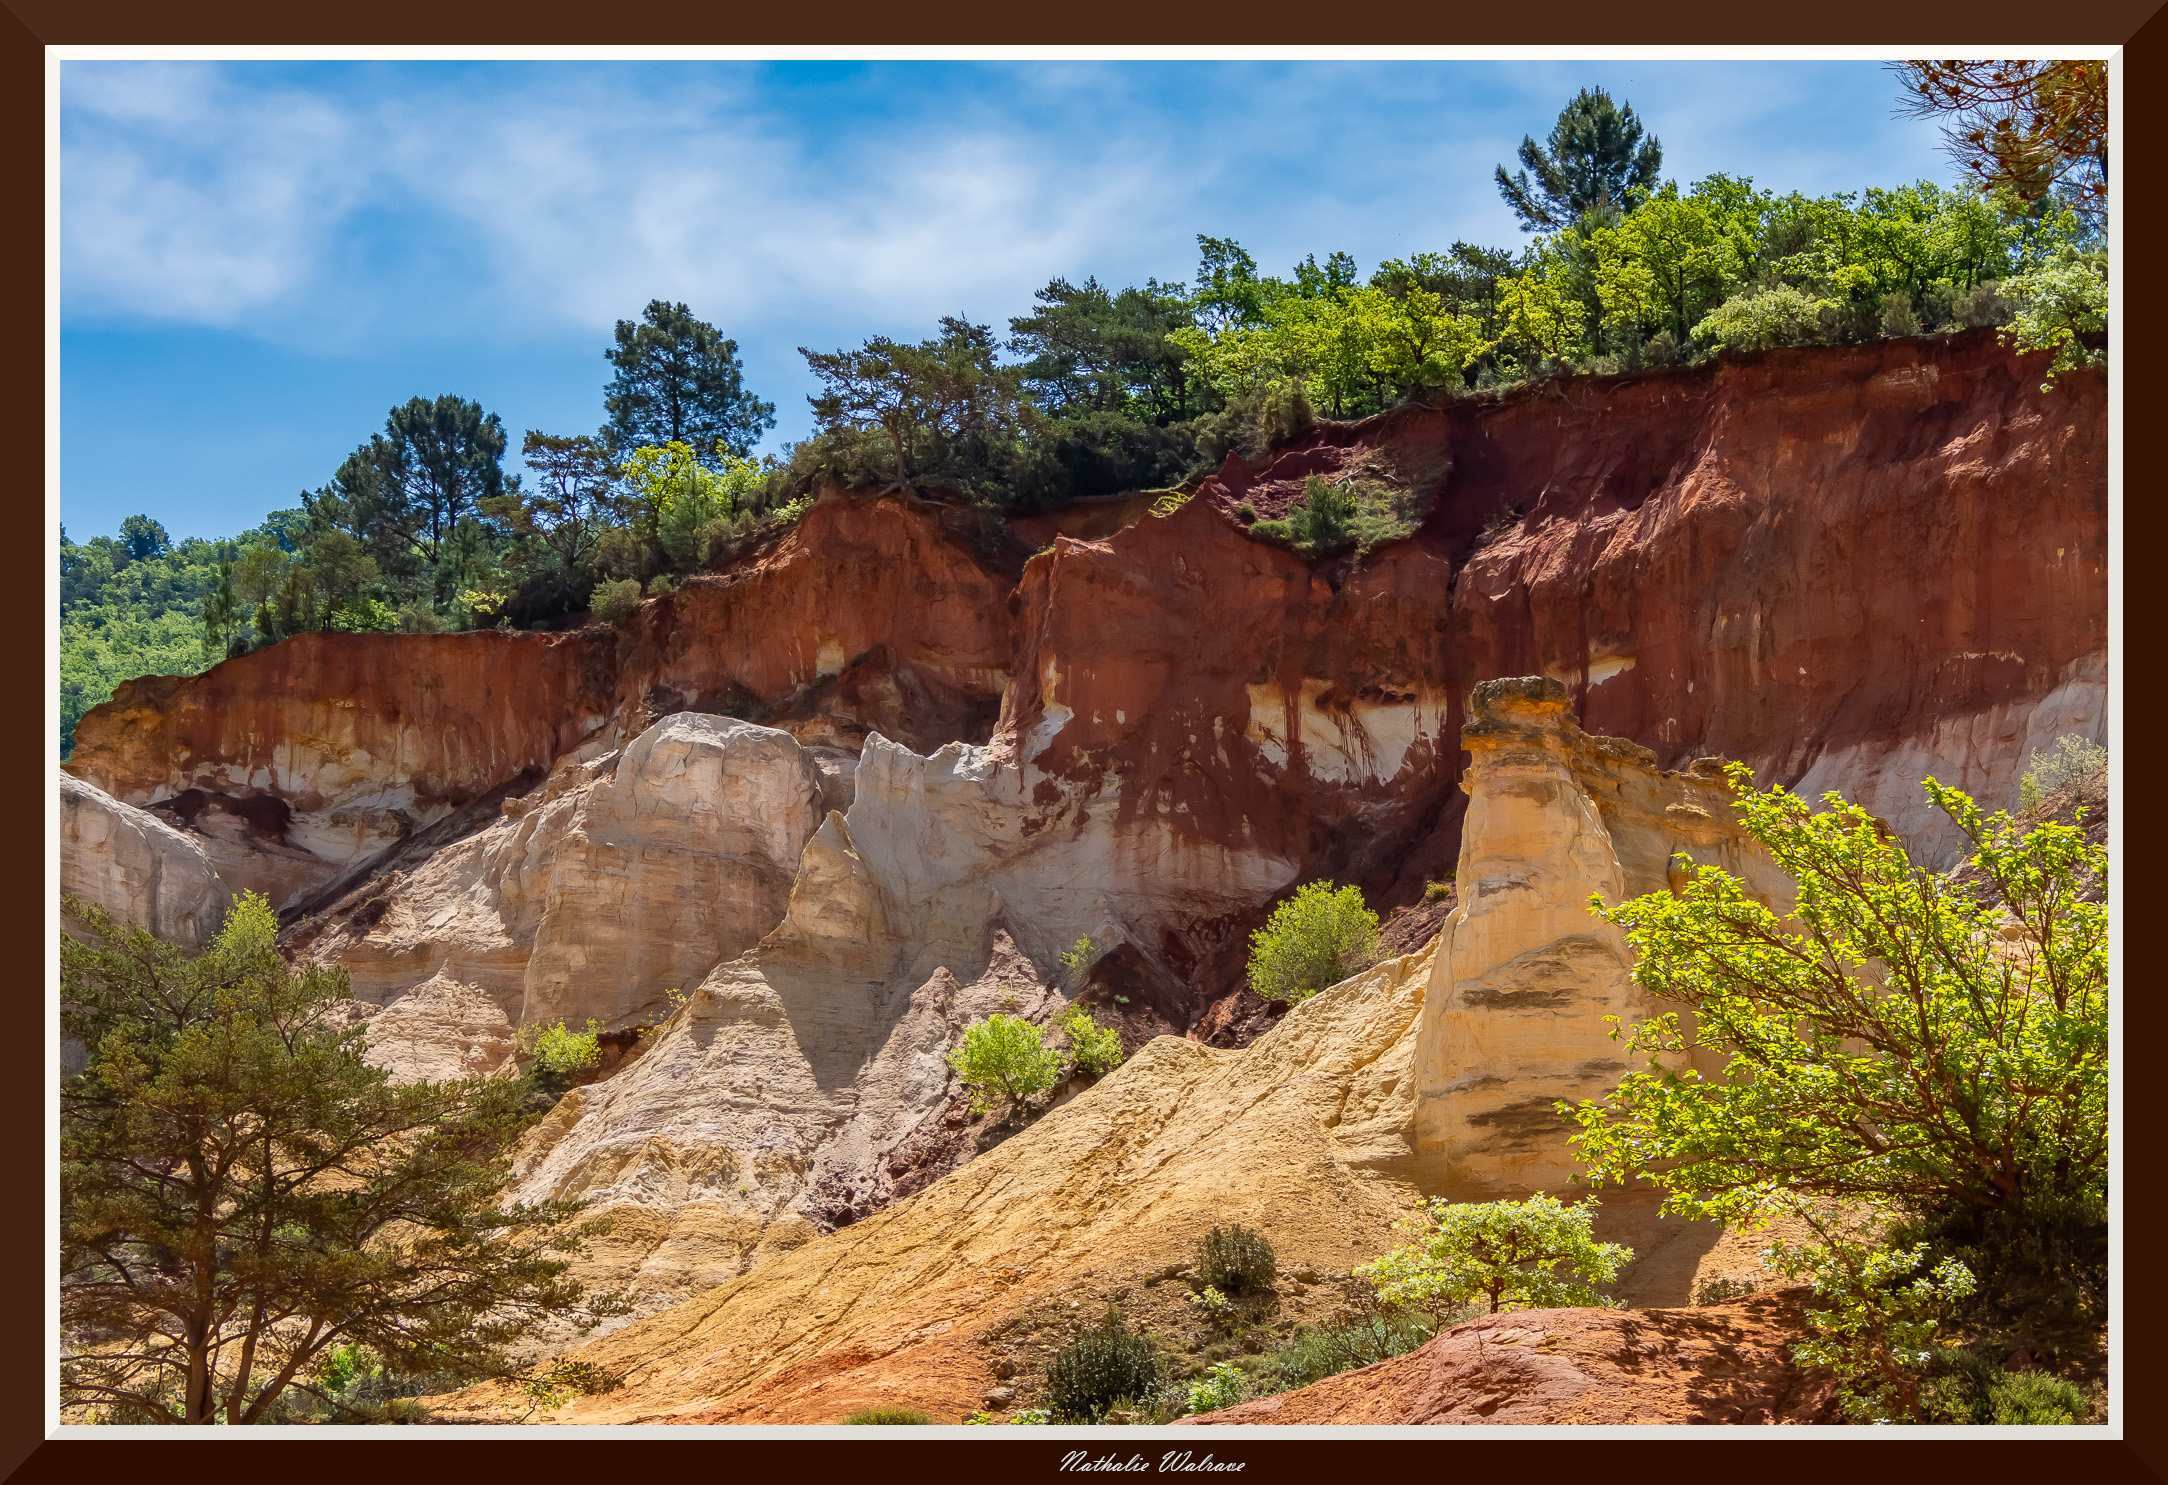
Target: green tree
(1935, 1044)
(678, 381)
(574, 499)
(1094, 1050)
(1005, 1056)
(144, 538)
(418, 495)
(1538, 308)
(1597, 160)
(1316, 938)
(1539, 1253)
(241, 1191)
(2059, 304)
(1667, 261)
(932, 401)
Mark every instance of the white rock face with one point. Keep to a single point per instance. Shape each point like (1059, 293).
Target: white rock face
(624, 877)
(1983, 753)
(137, 867)
(440, 1031)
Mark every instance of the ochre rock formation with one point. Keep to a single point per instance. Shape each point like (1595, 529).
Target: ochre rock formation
(137, 867)
(1526, 976)
(1720, 1364)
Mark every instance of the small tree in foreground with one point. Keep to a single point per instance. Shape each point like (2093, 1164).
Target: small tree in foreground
(1315, 939)
(240, 1192)
(1937, 1046)
(1004, 1057)
(1094, 1050)
(1539, 1253)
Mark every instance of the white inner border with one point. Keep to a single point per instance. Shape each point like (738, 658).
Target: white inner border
(1132, 1442)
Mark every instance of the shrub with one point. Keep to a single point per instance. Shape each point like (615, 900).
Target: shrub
(1222, 1387)
(1320, 522)
(2069, 760)
(1246, 512)
(1094, 1050)
(1722, 1291)
(1020, 1416)
(561, 1052)
(1213, 1305)
(1005, 1056)
(567, 1379)
(1539, 1252)
(889, 1413)
(1361, 1338)
(2054, 305)
(1963, 1082)
(1763, 320)
(1438, 891)
(1878, 1333)
(1897, 317)
(1273, 530)
(1236, 1260)
(1077, 961)
(1317, 938)
(1106, 1365)
(1973, 1390)
(614, 602)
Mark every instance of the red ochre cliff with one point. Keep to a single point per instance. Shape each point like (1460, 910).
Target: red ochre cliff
(1850, 568)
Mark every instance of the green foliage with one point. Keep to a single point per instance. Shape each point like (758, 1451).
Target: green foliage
(1877, 1333)
(1438, 891)
(239, 1186)
(1315, 939)
(1078, 959)
(1937, 1044)
(1222, 1387)
(560, 1052)
(677, 380)
(1105, 1365)
(1762, 319)
(566, 1379)
(1538, 1253)
(1597, 161)
(2071, 759)
(888, 1414)
(1236, 1260)
(1213, 1305)
(1022, 1417)
(1004, 1056)
(1971, 1389)
(1094, 1050)
(615, 602)
(942, 407)
(2058, 303)
(1362, 1337)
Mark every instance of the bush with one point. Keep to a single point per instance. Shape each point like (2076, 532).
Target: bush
(1222, 1387)
(1539, 1253)
(567, 1379)
(1361, 1338)
(2055, 305)
(889, 1413)
(1236, 1261)
(1973, 1390)
(1897, 317)
(1077, 961)
(614, 602)
(1105, 1365)
(1438, 891)
(1962, 1083)
(1094, 1050)
(561, 1052)
(1763, 320)
(1878, 1333)
(2069, 760)
(1317, 938)
(1004, 1056)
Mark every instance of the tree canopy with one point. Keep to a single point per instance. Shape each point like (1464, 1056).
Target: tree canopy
(241, 1191)
(678, 381)
(1597, 162)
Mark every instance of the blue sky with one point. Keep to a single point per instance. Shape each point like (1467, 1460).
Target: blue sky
(258, 259)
